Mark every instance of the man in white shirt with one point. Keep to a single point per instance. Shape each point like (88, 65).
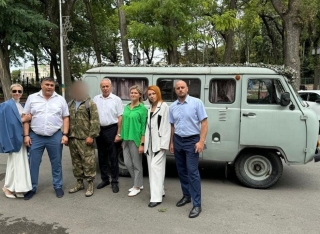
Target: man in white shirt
(110, 109)
(49, 114)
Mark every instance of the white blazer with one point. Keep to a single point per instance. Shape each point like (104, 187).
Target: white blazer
(159, 128)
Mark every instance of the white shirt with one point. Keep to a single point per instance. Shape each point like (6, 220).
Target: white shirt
(109, 108)
(47, 115)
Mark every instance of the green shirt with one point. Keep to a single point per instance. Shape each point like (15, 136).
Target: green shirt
(134, 123)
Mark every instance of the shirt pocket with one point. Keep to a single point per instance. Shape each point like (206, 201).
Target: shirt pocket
(55, 109)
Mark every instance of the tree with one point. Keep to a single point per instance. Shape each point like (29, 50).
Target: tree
(26, 23)
(94, 36)
(290, 14)
(163, 24)
(123, 32)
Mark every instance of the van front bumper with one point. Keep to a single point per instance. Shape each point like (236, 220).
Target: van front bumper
(316, 157)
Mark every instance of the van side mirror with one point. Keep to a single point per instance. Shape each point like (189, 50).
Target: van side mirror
(318, 101)
(285, 99)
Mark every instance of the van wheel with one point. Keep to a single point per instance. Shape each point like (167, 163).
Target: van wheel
(123, 171)
(258, 169)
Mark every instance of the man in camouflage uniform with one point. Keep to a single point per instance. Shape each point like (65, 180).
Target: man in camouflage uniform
(84, 127)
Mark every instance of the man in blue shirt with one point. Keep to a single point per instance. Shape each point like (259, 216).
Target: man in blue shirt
(189, 128)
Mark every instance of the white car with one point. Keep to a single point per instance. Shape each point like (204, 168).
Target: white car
(312, 97)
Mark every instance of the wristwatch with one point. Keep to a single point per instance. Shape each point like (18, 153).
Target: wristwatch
(119, 135)
(65, 134)
(142, 144)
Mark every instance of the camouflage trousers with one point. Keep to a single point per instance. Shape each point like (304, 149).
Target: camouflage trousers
(83, 159)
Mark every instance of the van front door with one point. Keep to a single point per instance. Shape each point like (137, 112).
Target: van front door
(222, 101)
(266, 124)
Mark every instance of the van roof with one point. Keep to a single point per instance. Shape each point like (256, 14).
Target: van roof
(182, 70)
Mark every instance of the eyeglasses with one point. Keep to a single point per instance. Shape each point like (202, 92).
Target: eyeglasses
(14, 91)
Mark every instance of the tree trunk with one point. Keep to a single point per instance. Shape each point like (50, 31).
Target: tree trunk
(173, 56)
(5, 76)
(227, 56)
(229, 47)
(96, 44)
(292, 26)
(123, 33)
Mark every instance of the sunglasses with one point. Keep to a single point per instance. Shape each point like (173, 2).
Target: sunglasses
(14, 91)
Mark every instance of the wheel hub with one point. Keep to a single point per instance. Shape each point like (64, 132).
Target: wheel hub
(258, 167)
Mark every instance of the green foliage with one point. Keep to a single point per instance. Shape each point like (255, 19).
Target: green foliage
(15, 75)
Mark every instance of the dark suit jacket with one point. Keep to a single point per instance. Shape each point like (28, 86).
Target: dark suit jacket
(11, 132)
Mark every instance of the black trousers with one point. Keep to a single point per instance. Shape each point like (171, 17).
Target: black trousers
(107, 152)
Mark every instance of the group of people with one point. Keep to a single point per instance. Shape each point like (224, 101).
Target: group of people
(48, 122)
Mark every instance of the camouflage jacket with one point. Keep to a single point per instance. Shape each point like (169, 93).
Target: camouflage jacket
(81, 124)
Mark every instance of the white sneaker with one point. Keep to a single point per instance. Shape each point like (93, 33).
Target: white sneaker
(130, 189)
(134, 192)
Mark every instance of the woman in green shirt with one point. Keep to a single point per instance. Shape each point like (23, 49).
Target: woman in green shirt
(132, 133)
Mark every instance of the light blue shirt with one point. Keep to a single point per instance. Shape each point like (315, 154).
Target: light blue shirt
(77, 104)
(187, 116)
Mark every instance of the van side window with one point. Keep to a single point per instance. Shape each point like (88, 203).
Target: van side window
(264, 91)
(222, 91)
(121, 86)
(166, 86)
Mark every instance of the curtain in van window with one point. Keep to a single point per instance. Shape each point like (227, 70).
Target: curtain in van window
(124, 86)
(222, 91)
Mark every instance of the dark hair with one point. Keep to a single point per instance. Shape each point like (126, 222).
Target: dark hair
(51, 79)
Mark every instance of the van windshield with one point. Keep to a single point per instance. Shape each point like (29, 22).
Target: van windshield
(297, 95)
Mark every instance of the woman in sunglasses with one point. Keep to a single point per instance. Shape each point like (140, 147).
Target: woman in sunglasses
(18, 179)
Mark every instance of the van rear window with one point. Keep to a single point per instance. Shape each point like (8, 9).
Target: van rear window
(222, 91)
(121, 85)
(166, 86)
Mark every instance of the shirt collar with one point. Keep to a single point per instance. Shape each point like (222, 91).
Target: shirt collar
(110, 96)
(187, 100)
(53, 95)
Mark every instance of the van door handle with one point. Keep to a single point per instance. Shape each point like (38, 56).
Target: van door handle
(249, 114)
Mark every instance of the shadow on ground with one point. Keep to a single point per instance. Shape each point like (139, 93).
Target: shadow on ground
(24, 226)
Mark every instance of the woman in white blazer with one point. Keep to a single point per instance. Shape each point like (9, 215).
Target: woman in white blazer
(157, 140)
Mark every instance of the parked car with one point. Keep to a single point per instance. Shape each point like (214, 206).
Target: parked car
(312, 97)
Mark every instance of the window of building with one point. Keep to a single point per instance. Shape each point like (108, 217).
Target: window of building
(121, 86)
(264, 91)
(166, 86)
(222, 91)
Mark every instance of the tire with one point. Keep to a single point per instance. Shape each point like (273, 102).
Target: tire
(258, 169)
(123, 171)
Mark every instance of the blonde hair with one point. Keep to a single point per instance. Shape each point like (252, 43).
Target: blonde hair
(139, 89)
(16, 85)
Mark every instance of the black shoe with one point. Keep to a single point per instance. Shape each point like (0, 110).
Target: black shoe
(195, 212)
(103, 184)
(29, 195)
(153, 204)
(183, 201)
(115, 188)
(59, 192)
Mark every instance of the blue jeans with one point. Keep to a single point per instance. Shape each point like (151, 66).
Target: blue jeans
(54, 148)
(187, 162)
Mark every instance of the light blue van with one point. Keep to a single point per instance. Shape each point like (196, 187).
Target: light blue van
(256, 120)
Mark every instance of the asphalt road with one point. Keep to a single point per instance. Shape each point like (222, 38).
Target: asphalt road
(291, 206)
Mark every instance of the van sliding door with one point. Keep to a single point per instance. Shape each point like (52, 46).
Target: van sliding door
(222, 101)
